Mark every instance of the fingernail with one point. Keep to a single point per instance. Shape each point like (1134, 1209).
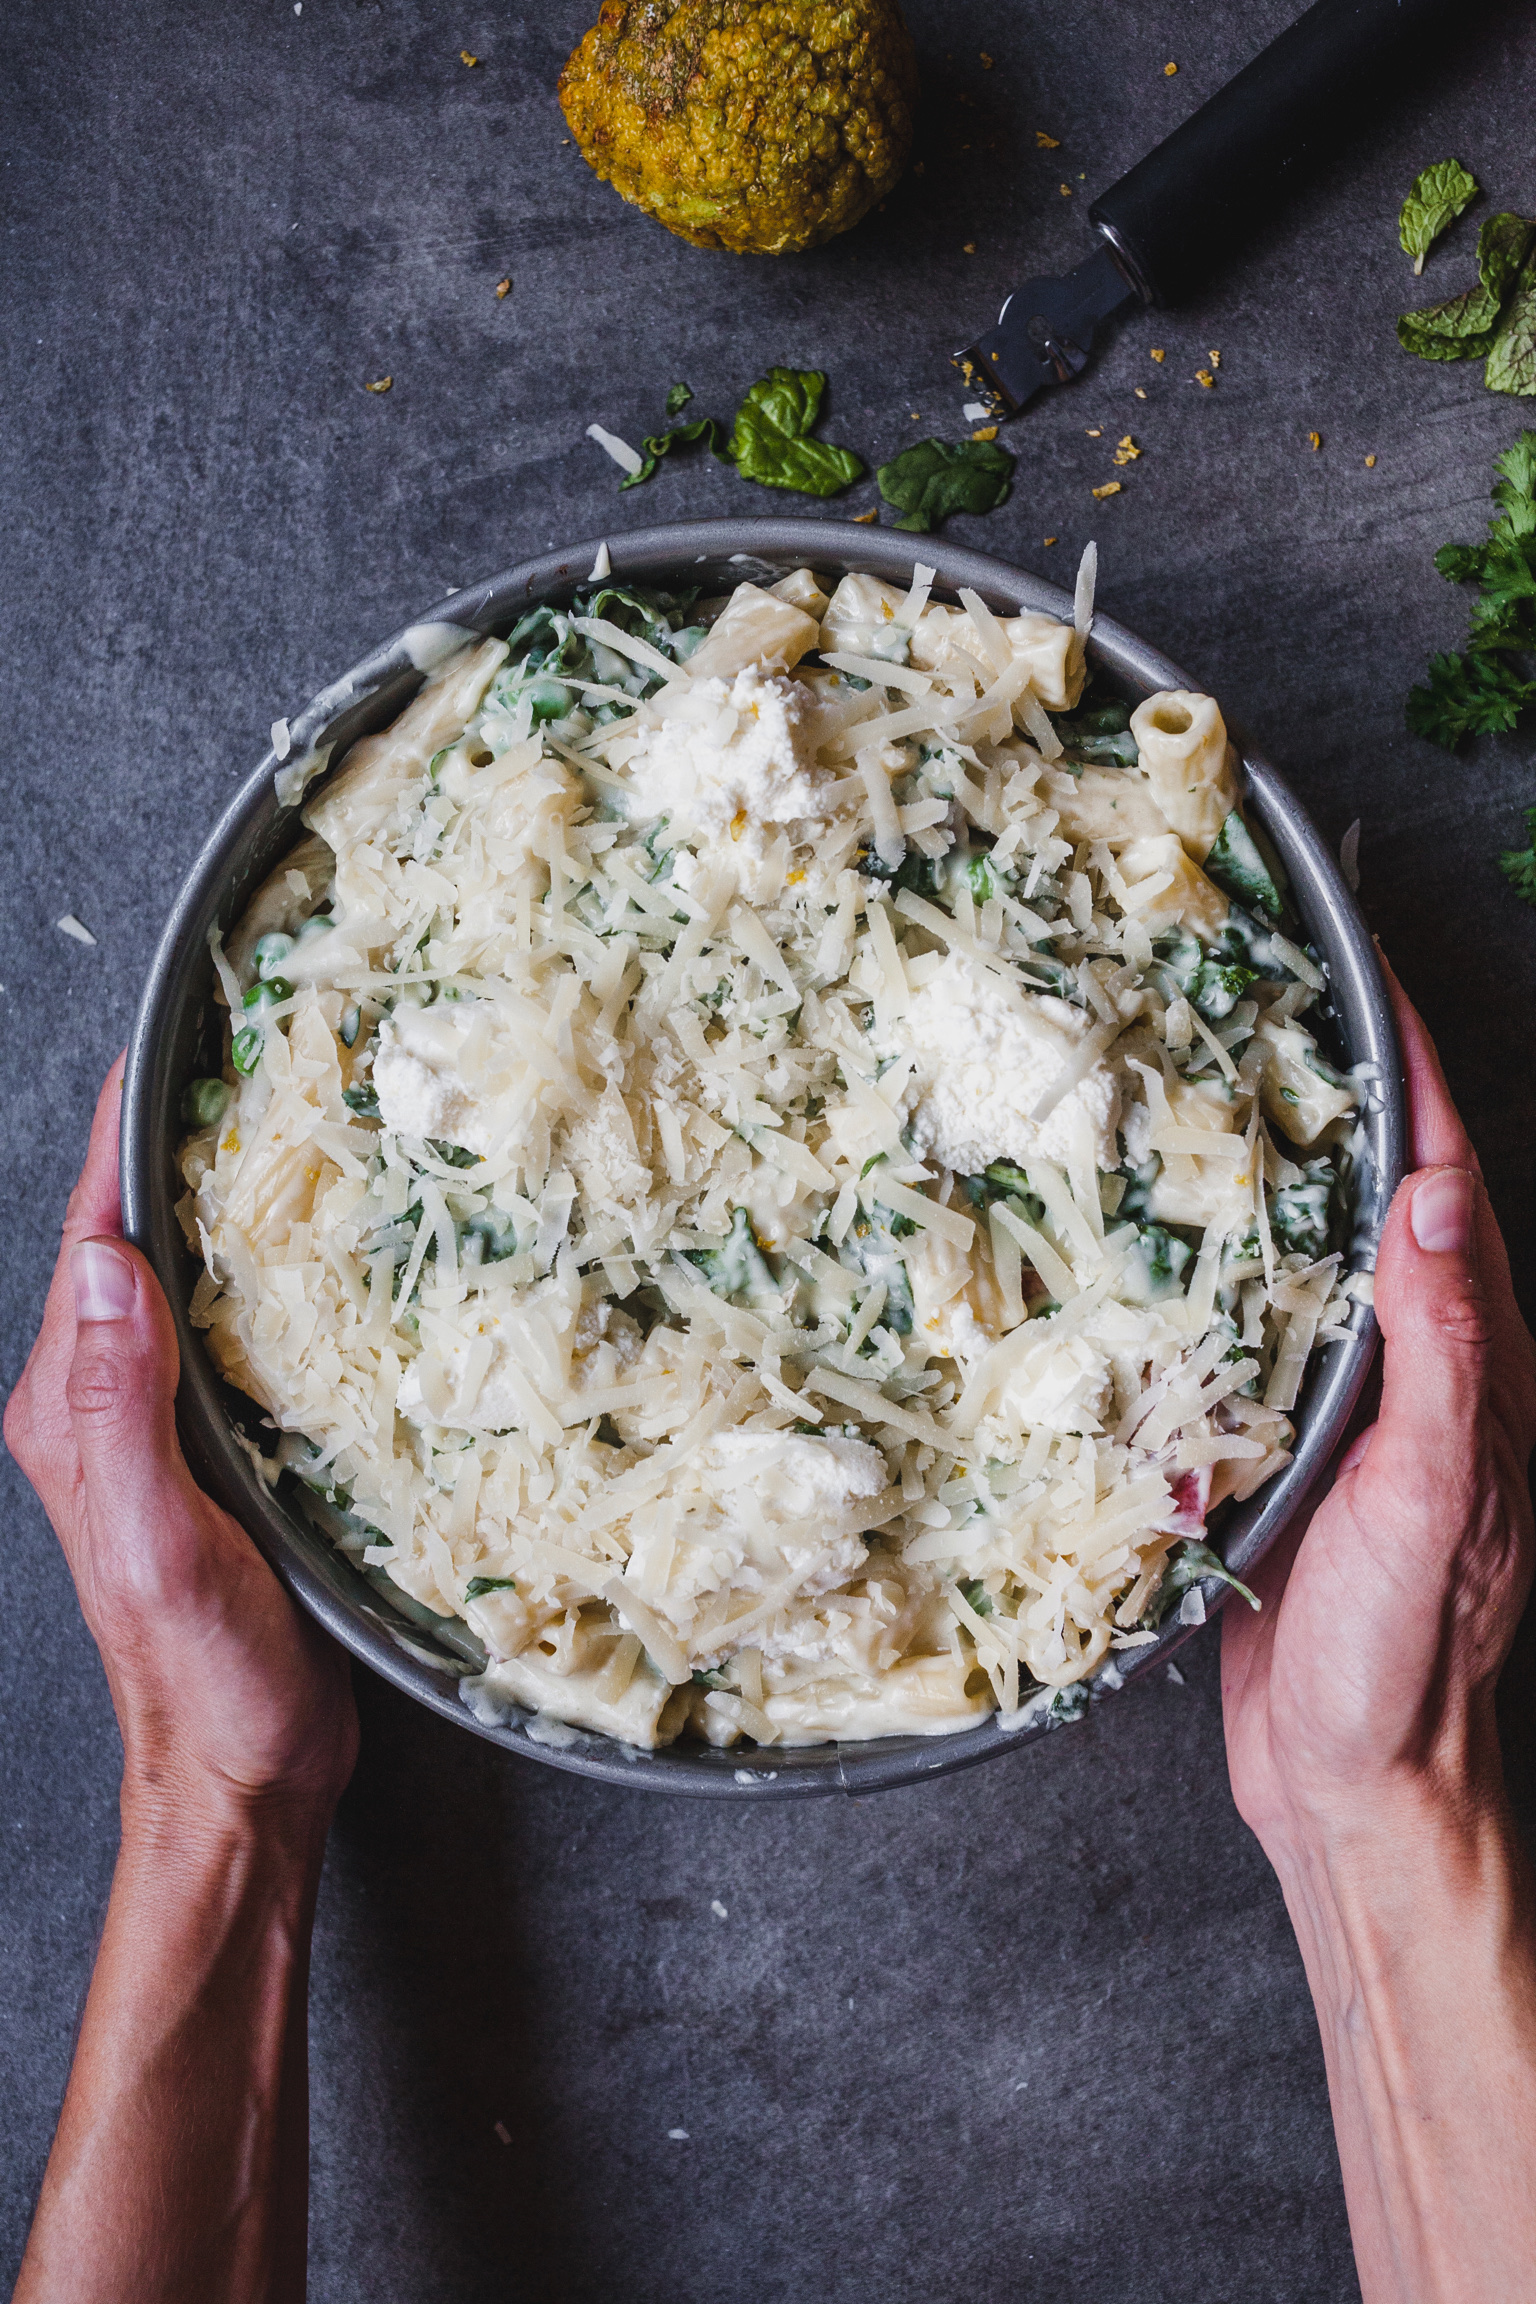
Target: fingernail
(1441, 1213)
(104, 1284)
(1356, 1451)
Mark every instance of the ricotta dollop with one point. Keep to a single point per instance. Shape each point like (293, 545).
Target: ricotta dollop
(987, 1051)
(731, 753)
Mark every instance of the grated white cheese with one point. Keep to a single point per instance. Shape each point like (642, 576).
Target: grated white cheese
(620, 450)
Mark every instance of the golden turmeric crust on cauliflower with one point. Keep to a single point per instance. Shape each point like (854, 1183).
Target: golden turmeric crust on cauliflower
(762, 126)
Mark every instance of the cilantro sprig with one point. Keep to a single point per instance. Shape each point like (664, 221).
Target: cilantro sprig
(1485, 688)
(1518, 865)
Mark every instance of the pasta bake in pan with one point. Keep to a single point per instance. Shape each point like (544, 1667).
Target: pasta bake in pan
(772, 1162)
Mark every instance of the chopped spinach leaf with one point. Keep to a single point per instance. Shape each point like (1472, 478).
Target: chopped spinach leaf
(659, 444)
(985, 880)
(1212, 982)
(1238, 869)
(1068, 1704)
(1188, 1565)
(1164, 1258)
(1100, 733)
(1135, 1200)
(453, 1155)
(1302, 1216)
(1001, 1180)
(923, 875)
(478, 1586)
(979, 1597)
(678, 399)
(738, 1266)
(1218, 989)
(362, 1099)
(933, 478)
(771, 441)
(869, 1247)
(496, 1233)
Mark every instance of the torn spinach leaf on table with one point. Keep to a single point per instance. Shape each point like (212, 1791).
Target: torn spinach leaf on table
(771, 441)
(933, 478)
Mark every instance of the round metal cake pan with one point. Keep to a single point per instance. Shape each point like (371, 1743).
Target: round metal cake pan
(178, 1028)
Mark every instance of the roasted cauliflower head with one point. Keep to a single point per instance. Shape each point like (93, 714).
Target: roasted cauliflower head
(762, 126)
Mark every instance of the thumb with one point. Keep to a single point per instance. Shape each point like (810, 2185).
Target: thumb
(1436, 1319)
(121, 1386)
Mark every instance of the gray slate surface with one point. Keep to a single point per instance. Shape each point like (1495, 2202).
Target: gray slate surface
(1038, 2031)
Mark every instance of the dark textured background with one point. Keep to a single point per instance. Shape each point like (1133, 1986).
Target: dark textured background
(1035, 2032)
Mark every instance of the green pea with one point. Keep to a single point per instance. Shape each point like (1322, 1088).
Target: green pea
(268, 993)
(245, 1050)
(204, 1103)
(270, 953)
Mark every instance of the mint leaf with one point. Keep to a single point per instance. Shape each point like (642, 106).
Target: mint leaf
(1475, 695)
(678, 399)
(771, 440)
(1435, 199)
(1502, 247)
(1518, 865)
(933, 478)
(1512, 356)
(1456, 329)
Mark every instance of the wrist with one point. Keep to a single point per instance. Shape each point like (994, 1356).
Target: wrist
(174, 1808)
(1369, 1880)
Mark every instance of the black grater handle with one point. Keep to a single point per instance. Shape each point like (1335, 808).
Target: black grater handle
(1176, 216)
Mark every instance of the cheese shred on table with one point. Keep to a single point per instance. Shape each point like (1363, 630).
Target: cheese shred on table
(768, 1171)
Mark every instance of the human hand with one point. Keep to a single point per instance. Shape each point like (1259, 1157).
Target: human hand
(1387, 1616)
(227, 1696)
